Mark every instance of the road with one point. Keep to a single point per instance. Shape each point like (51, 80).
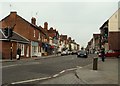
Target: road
(24, 70)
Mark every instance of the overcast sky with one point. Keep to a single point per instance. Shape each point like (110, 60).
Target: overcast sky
(77, 19)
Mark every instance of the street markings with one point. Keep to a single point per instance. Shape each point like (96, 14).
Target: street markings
(62, 71)
(71, 69)
(79, 67)
(45, 78)
(55, 75)
(26, 81)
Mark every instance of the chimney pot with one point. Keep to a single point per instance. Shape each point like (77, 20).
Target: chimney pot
(46, 25)
(33, 21)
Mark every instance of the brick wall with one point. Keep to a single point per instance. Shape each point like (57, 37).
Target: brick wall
(113, 40)
(5, 50)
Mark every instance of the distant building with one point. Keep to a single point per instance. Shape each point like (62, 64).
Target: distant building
(96, 42)
(54, 39)
(62, 42)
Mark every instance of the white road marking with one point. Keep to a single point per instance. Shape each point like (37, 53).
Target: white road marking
(31, 80)
(71, 69)
(62, 71)
(55, 75)
(26, 81)
(79, 67)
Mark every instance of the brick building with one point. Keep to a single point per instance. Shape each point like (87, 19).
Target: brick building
(27, 30)
(9, 47)
(54, 42)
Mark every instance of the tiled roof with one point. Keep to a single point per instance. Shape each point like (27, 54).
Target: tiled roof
(35, 26)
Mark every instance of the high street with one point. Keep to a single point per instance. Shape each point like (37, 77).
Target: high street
(32, 69)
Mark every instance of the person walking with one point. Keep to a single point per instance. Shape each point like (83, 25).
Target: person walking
(18, 53)
(103, 54)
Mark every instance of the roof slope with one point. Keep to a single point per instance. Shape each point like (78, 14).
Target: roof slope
(16, 37)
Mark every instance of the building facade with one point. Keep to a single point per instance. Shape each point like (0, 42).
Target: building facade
(27, 30)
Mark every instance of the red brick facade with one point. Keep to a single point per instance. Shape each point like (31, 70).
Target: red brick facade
(113, 40)
(35, 39)
(25, 29)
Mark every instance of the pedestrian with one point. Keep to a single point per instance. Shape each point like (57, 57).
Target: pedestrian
(103, 54)
(18, 53)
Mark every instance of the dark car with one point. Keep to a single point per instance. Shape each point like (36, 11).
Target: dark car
(82, 53)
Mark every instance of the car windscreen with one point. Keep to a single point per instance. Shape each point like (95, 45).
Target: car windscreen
(82, 52)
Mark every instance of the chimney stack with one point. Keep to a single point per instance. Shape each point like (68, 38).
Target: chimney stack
(46, 25)
(13, 16)
(33, 21)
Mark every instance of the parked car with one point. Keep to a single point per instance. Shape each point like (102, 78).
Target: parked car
(110, 53)
(69, 52)
(82, 53)
(74, 52)
(65, 52)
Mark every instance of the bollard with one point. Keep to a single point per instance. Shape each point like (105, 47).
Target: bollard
(95, 63)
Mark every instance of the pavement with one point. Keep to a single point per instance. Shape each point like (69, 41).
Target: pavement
(107, 73)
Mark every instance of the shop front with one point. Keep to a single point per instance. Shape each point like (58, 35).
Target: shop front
(34, 48)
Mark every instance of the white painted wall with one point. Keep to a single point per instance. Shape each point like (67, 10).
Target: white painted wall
(113, 22)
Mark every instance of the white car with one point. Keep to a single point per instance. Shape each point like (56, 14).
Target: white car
(64, 53)
(69, 52)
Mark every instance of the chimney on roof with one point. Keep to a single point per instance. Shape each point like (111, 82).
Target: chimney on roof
(33, 21)
(13, 13)
(51, 28)
(46, 25)
(13, 16)
(69, 38)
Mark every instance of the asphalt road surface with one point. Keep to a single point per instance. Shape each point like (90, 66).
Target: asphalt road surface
(24, 70)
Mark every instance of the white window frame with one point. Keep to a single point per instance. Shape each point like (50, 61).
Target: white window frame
(27, 55)
(34, 33)
(22, 47)
(39, 36)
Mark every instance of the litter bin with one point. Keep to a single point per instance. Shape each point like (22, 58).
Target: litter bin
(95, 63)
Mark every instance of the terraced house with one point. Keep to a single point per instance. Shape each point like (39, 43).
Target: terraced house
(110, 32)
(28, 36)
